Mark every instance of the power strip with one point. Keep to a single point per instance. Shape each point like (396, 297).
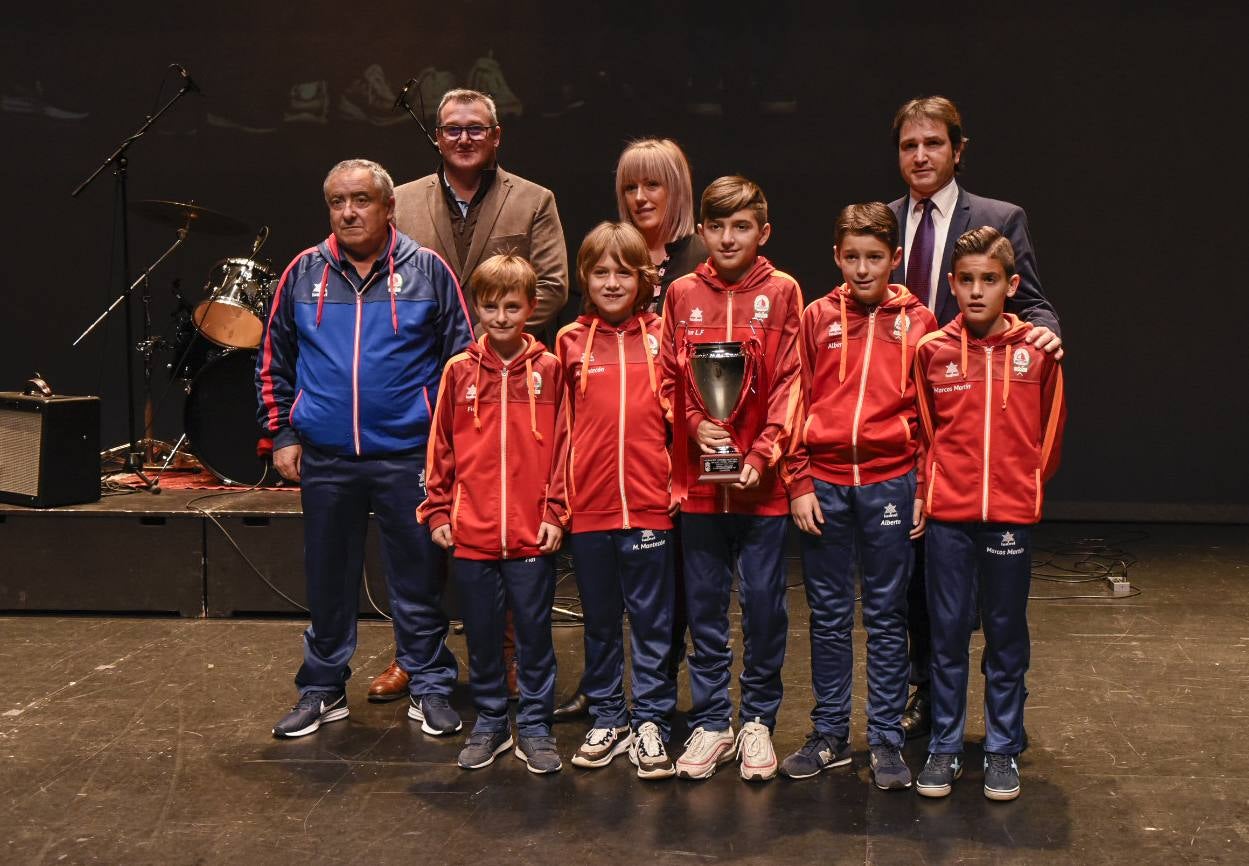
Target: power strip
(1119, 584)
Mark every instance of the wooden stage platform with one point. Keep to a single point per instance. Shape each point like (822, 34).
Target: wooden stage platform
(145, 739)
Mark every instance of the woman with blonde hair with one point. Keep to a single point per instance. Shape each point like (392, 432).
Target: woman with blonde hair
(654, 193)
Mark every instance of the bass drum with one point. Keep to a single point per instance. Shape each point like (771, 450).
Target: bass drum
(220, 419)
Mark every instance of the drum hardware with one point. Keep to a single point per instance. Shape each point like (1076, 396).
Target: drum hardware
(118, 160)
(203, 220)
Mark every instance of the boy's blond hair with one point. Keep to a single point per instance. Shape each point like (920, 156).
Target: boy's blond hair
(500, 274)
(985, 241)
(726, 195)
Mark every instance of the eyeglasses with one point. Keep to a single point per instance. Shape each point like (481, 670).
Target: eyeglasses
(453, 133)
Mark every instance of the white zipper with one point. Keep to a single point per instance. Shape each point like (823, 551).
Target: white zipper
(858, 406)
(355, 376)
(728, 336)
(503, 462)
(620, 451)
(988, 402)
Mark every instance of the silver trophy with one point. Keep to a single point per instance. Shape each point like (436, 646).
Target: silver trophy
(719, 378)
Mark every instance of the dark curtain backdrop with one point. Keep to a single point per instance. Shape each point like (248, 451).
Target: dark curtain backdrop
(1108, 123)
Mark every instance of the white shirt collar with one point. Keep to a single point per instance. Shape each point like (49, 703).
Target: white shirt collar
(943, 200)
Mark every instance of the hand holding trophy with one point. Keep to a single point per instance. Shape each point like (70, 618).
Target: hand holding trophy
(720, 377)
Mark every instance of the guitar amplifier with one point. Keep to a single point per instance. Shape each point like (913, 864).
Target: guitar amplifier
(49, 449)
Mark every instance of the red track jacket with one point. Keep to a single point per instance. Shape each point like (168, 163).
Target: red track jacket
(618, 471)
(699, 308)
(493, 470)
(859, 422)
(993, 415)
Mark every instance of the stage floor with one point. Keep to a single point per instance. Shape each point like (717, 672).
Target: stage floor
(144, 740)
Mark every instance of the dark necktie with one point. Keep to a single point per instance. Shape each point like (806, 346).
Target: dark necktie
(919, 265)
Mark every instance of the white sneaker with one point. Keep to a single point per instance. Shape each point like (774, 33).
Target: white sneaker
(755, 752)
(704, 751)
(601, 745)
(649, 755)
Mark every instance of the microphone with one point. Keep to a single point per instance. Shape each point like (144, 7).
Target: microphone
(186, 76)
(402, 100)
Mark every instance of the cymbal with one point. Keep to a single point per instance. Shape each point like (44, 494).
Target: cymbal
(199, 219)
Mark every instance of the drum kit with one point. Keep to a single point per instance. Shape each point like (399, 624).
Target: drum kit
(216, 338)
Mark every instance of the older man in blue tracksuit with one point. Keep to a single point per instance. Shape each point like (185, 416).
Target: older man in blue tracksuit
(358, 332)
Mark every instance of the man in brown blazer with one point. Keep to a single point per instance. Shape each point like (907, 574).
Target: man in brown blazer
(467, 211)
(470, 209)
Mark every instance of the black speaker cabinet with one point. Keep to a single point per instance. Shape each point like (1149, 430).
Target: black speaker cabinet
(49, 449)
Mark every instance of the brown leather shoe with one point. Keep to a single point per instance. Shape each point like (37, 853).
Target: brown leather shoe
(390, 685)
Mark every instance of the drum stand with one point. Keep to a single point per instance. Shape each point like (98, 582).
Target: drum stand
(121, 244)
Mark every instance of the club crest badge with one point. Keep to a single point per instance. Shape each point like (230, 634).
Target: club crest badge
(834, 330)
(891, 510)
(951, 370)
(696, 314)
(901, 325)
(537, 384)
(648, 535)
(316, 290)
(1021, 361)
(396, 283)
(471, 393)
(652, 343)
(1008, 539)
(762, 306)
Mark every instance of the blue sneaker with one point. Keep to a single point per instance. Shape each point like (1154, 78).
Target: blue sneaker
(1001, 776)
(314, 708)
(817, 754)
(539, 754)
(890, 771)
(482, 747)
(937, 777)
(435, 714)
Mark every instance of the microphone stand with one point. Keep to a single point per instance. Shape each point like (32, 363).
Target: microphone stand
(121, 244)
(402, 102)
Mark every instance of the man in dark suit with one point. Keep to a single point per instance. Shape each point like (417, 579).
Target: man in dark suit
(928, 134)
(469, 210)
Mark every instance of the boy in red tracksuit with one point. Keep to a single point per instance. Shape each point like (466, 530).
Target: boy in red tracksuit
(993, 413)
(495, 494)
(735, 296)
(619, 491)
(855, 487)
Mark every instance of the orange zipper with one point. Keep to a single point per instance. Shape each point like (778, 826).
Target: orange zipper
(988, 401)
(503, 462)
(620, 449)
(858, 406)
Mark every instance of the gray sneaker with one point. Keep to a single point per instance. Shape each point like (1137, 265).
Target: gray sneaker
(817, 754)
(482, 747)
(891, 772)
(601, 745)
(1001, 776)
(539, 754)
(650, 755)
(937, 777)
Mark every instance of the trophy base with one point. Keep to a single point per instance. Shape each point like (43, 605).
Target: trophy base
(723, 467)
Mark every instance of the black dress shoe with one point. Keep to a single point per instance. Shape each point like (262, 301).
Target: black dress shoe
(917, 717)
(573, 708)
